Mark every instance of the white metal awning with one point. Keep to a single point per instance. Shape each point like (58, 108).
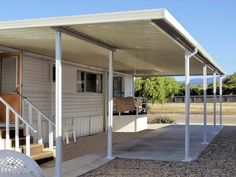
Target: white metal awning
(147, 42)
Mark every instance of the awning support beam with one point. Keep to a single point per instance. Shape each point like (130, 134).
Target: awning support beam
(205, 104)
(221, 92)
(188, 55)
(110, 107)
(58, 103)
(76, 34)
(214, 96)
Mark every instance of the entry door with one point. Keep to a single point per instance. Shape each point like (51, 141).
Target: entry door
(118, 87)
(10, 82)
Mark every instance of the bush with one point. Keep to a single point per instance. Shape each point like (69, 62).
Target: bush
(162, 120)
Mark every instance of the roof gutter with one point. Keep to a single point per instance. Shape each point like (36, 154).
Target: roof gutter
(183, 41)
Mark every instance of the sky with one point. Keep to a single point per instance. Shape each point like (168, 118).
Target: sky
(211, 22)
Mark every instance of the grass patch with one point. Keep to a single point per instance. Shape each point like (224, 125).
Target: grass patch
(162, 120)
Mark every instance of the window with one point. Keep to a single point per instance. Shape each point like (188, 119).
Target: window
(118, 87)
(89, 82)
(54, 73)
(80, 81)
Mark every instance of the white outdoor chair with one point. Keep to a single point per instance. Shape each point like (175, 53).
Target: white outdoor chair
(16, 164)
(68, 130)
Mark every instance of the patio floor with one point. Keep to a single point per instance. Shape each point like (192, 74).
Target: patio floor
(217, 160)
(164, 143)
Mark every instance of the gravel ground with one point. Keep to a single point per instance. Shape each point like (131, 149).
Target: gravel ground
(218, 159)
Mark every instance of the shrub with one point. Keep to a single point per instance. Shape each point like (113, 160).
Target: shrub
(163, 120)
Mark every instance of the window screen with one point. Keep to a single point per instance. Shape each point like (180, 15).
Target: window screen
(91, 82)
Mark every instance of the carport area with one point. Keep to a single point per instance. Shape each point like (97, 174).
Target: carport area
(165, 143)
(139, 43)
(159, 142)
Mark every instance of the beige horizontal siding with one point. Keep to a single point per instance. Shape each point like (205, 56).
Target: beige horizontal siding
(86, 110)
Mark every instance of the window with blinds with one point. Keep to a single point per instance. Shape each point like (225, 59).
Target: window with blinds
(89, 82)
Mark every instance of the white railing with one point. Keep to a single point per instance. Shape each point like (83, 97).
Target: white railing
(41, 115)
(141, 104)
(29, 127)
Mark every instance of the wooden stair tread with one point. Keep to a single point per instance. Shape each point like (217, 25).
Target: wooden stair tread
(38, 152)
(42, 155)
(34, 148)
(33, 145)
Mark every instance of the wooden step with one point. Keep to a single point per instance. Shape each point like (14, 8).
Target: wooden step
(42, 155)
(38, 152)
(34, 148)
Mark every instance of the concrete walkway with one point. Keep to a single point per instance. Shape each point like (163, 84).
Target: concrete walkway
(164, 143)
(77, 166)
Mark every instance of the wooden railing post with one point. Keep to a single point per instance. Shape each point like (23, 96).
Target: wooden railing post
(40, 140)
(17, 146)
(7, 128)
(27, 141)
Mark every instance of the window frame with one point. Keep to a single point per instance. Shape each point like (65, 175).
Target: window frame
(85, 90)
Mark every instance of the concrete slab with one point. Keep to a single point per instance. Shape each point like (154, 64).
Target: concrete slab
(78, 166)
(165, 143)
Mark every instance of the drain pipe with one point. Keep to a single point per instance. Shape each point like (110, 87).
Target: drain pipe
(194, 53)
(188, 55)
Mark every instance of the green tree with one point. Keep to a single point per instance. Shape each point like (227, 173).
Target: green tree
(229, 86)
(156, 89)
(196, 90)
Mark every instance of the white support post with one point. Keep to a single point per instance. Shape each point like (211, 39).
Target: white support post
(30, 115)
(187, 105)
(205, 104)
(58, 103)
(188, 55)
(110, 107)
(133, 86)
(40, 140)
(50, 130)
(214, 94)
(221, 91)
(7, 128)
(17, 144)
(27, 141)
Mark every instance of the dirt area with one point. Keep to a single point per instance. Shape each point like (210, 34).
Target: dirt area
(195, 108)
(197, 118)
(218, 159)
(177, 111)
(89, 144)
